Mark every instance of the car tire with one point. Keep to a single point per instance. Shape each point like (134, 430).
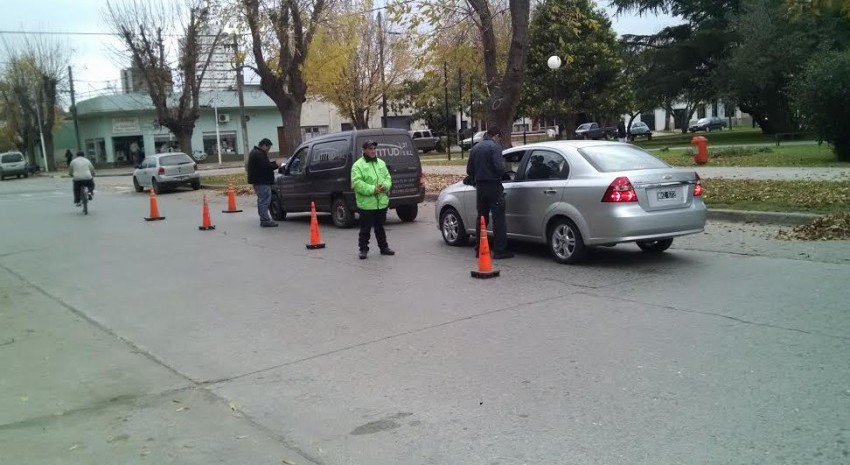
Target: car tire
(137, 186)
(565, 242)
(343, 217)
(276, 208)
(407, 213)
(452, 228)
(196, 184)
(655, 246)
(155, 187)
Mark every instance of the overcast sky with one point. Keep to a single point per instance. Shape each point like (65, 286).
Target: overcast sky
(94, 60)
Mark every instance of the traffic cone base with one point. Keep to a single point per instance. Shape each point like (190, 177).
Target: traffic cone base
(315, 239)
(154, 215)
(206, 224)
(485, 263)
(231, 200)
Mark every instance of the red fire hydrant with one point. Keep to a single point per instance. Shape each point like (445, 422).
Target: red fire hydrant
(701, 155)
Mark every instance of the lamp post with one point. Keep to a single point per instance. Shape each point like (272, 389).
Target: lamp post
(554, 63)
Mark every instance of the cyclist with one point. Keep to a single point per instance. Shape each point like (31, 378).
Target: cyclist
(82, 170)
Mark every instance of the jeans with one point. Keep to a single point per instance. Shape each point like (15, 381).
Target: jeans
(490, 198)
(264, 199)
(372, 219)
(79, 183)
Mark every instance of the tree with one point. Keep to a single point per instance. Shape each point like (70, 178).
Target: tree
(822, 99)
(799, 8)
(145, 28)
(504, 60)
(590, 82)
(34, 77)
(354, 61)
(640, 92)
(281, 34)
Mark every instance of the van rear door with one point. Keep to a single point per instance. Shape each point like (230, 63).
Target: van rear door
(402, 159)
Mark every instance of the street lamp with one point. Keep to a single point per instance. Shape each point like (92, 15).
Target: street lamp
(554, 63)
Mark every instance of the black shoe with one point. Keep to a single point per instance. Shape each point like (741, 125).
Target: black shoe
(387, 251)
(503, 256)
(269, 224)
(363, 254)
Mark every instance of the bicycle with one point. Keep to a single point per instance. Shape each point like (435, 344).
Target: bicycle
(84, 199)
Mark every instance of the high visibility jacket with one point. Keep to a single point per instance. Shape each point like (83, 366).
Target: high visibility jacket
(365, 176)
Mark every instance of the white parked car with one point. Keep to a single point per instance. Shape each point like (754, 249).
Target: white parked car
(166, 170)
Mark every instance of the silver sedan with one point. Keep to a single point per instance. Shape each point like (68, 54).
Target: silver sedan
(574, 194)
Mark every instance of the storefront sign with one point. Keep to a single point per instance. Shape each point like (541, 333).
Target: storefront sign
(125, 125)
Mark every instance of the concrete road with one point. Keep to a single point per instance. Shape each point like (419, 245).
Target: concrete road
(130, 342)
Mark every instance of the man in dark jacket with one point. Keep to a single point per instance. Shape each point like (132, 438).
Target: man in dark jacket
(486, 168)
(261, 175)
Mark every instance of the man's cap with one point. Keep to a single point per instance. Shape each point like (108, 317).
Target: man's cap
(370, 143)
(266, 141)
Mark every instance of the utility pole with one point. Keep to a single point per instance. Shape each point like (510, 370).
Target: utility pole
(41, 134)
(459, 110)
(240, 91)
(383, 80)
(74, 109)
(446, 89)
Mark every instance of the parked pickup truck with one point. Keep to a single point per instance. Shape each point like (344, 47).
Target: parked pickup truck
(594, 131)
(424, 140)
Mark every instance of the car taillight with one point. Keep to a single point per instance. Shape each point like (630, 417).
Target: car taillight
(161, 171)
(697, 186)
(621, 190)
(421, 179)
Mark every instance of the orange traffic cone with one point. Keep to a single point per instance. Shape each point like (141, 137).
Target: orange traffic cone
(485, 263)
(231, 200)
(154, 209)
(315, 240)
(206, 225)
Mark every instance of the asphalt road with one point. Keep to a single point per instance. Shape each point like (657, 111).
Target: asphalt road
(130, 342)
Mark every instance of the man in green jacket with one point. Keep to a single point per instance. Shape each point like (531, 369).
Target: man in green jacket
(371, 182)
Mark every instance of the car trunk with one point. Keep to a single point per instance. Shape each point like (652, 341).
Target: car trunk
(663, 189)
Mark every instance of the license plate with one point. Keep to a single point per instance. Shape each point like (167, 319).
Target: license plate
(182, 178)
(666, 195)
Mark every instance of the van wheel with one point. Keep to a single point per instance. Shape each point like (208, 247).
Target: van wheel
(565, 242)
(342, 216)
(276, 208)
(407, 213)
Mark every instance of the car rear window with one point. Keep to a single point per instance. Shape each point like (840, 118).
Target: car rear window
(612, 158)
(12, 158)
(174, 160)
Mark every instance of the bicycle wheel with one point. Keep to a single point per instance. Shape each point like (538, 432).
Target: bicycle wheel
(84, 198)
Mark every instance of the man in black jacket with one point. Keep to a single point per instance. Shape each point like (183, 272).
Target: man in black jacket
(261, 175)
(486, 168)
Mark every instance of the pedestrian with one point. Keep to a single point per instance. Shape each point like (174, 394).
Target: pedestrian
(261, 175)
(68, 157)
(371, 182)
(621, 130)
(486, 168)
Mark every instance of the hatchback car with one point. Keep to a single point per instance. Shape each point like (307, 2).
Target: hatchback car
(574, 194)
(639, 129)
(13, 164)
(166, 170)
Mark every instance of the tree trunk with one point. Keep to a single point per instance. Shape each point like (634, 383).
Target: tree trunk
(291, 118)
(184, 139)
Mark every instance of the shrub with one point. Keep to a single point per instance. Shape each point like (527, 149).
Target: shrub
(821, 97)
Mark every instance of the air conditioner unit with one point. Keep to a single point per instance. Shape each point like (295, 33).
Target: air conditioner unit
(223, 118)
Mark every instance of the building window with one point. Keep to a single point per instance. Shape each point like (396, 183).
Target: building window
(701, 111)
(309, 132)
(228, 143)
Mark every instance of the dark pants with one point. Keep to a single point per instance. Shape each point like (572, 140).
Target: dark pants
(77, 184)
(490, 198)
(372, 219)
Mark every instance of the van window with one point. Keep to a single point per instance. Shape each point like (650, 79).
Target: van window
(12, 158)
(329, 155)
